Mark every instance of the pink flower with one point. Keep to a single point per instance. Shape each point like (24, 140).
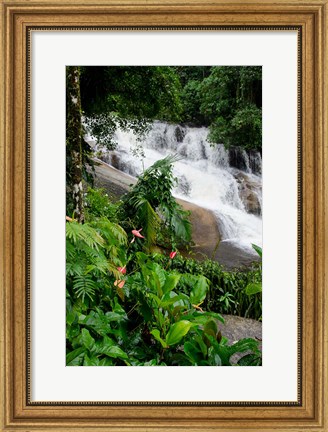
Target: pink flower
(69, 219)
(136, 233)
(122, 269)
(119, 283)
(173, 254)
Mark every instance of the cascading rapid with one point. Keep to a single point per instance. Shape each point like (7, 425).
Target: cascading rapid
(227, 182)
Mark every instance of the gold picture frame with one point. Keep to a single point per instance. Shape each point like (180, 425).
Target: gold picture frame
(310, 413)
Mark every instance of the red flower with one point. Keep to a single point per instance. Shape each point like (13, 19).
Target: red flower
(173, 254)
(122, 269)
(119, 283)
(136, 233)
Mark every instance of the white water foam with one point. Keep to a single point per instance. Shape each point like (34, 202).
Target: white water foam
(204, 175)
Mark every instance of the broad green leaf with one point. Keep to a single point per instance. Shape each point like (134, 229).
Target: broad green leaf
(171, 282)
(171, 298)
(90, 361)
(253, 288)
(154, 277)
(118, 308)
(105, 362)
(257, 249)
(116, 352)
(213, 357)
(152, 362)
(211, 328)
(178, 309)
(199, 290)
(74, 358)
(156, 299)
(177, 331)
(201, 344)
(160, 272)
(202, 317)
(157, 336)
(226, 351)
(72, 317)
(250, 360)
(192, 352)
(72, 332)
(244, 345)
(87, 340)
(215, 315)
(113, 316)
(102, 346)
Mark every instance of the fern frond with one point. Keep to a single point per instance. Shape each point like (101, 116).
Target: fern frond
(165, 163)
(74, 268)
(110, 231)
(78, 232)
(84, 286)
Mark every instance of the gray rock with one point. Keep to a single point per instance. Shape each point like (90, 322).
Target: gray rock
(236, 328)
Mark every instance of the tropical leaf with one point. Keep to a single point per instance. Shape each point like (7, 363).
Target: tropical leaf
(165, 163)
(257, 249)
(181, 224)
(75, 358)
(199, 290)
(148, 219)
(157, 336)
(253, 288)
(177, 331)
(171, 282)
(87, 340)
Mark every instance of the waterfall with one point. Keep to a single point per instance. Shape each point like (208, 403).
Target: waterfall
(228, 182)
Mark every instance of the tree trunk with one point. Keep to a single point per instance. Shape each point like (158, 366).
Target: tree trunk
(74, 139)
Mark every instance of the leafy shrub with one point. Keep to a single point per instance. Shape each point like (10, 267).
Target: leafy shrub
(98, 203)
(138, 318)
(93, 252)
(150, 205)
(227, 290)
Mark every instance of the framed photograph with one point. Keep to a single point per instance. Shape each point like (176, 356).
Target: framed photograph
(151, 152)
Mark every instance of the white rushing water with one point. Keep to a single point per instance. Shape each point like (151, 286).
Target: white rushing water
(204, 174)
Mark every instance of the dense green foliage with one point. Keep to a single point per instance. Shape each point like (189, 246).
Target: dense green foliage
(98, 204)
(151, 205)
(126, 303)
(228, 99)
(124, 308)
(232, 101)
(128, 97)
(191, 79)
(227, 290)
(128, 307)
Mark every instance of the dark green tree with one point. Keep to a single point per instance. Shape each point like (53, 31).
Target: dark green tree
(128, 97)
(191, 78)
(231, 101)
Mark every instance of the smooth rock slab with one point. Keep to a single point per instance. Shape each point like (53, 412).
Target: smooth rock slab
(236, 328)
(206, 236)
